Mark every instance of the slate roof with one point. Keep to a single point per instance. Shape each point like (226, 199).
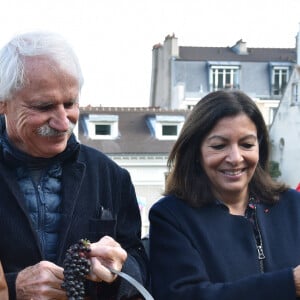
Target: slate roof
(135, 136)
(227, 54)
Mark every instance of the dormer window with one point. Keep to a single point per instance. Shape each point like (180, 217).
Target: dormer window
(103, 126)
(279, 78)
(165, 127)
(223, 76)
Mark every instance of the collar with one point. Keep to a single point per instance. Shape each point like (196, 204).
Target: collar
(252, 203)
(15, 157)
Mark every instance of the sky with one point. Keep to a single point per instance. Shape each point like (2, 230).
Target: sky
(113, 39)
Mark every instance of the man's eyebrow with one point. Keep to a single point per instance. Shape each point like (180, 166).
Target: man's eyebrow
(41, 104)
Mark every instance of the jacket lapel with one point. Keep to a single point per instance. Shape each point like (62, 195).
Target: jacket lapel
(73, 175)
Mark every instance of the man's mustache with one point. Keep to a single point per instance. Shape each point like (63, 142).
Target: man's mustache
(46, 130)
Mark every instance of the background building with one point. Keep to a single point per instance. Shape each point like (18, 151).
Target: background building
(181, 76)
(138, 139)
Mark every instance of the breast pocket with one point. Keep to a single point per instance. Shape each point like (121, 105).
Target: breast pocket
(99, 228)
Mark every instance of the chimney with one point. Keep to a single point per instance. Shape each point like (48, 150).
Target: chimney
(171, 45)
(240, 48)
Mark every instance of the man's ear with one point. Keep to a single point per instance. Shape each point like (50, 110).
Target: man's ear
(2, 107)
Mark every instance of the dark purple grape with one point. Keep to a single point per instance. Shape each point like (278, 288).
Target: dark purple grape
(76, 266)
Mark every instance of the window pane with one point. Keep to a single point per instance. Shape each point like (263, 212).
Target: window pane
(102, 129)
(280, 79)
(235, 79)
(220, 79)
(284, 80)
(276, 82)
(228, 81)
(169, 130)
(214, 78)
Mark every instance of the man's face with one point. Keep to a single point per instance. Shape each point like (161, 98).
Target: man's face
(40, 117)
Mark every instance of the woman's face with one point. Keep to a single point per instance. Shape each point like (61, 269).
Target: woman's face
(229, 155)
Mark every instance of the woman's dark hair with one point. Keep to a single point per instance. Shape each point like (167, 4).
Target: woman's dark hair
(187, 179)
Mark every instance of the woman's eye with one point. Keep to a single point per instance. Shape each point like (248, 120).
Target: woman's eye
(218, 147)
(248, 146)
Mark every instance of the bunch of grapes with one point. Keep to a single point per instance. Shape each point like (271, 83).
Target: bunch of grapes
(76, 266)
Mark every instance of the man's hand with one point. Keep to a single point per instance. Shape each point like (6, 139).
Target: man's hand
(40, 282)
(106, 253)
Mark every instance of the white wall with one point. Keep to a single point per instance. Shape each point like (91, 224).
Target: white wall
(285, 136)
(148, 176)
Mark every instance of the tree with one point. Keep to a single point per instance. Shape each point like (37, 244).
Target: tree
(274, 169)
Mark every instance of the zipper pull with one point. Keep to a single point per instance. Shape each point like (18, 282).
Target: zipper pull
(260, 252)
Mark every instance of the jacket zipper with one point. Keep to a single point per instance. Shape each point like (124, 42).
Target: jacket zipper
(259, 246)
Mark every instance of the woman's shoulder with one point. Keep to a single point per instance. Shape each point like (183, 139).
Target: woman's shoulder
(290, 197)
(290, 194)
(169, 202)
(288, 205)
(171, 205)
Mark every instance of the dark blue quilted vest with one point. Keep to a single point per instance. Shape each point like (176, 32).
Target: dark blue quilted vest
(43, 201)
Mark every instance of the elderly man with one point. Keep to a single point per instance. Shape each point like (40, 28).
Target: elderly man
(55, 191)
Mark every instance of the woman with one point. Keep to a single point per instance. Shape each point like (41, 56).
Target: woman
(224, 230)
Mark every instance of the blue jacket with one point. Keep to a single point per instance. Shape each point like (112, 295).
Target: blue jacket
(208, 254)
(98, 199)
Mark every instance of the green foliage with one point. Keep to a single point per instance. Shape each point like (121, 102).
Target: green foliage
(274, 169)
